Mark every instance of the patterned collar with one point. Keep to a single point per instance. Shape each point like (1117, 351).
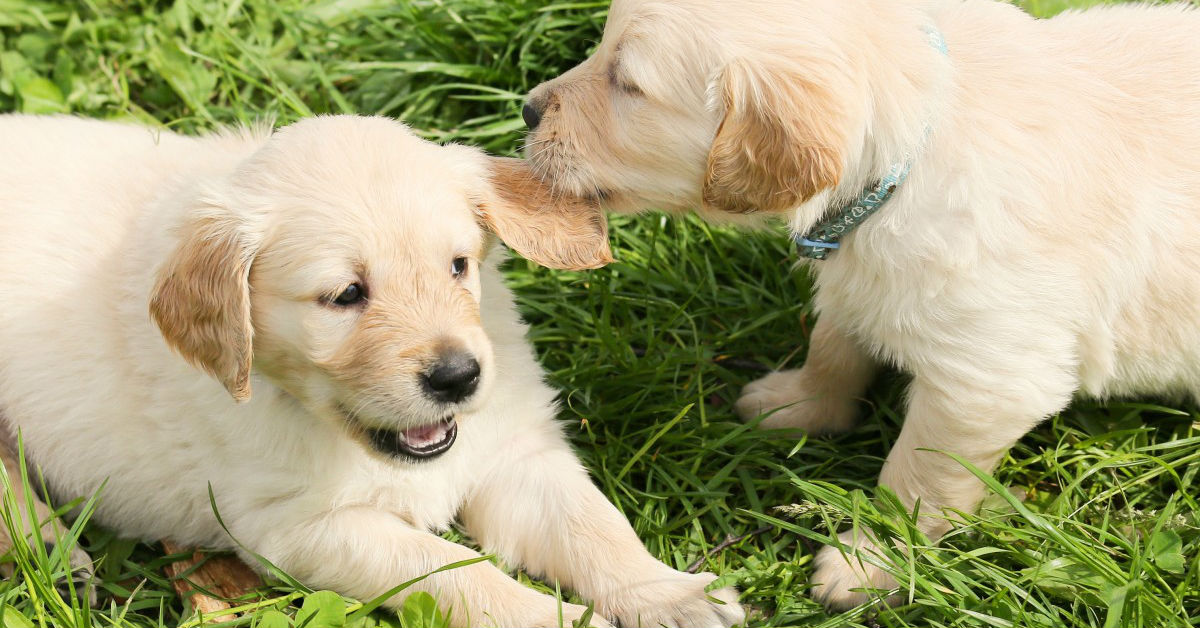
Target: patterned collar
(825, 236)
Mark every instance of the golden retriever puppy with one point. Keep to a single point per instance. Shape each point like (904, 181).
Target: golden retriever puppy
(309, 323)
(1036, 183)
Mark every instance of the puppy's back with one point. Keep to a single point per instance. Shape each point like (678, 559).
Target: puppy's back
(62, 175)
(75, 253)
(72, 188)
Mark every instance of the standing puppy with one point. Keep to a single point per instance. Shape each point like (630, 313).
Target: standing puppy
(1037, 186)
(305, 324)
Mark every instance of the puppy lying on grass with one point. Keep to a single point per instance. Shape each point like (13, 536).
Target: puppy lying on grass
(310, 324)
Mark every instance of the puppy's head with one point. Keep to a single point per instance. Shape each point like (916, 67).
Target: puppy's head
(731, 107)
(343, 262)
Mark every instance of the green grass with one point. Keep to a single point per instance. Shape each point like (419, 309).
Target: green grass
(650, 352)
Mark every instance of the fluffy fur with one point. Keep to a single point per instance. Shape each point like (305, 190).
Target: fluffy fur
(134, 264)
(1046, 243)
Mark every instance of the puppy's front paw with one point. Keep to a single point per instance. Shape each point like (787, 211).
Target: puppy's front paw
(842, 581)
(798, 404)
(675, 599)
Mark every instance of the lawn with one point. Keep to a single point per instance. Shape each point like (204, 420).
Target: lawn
(649, 352)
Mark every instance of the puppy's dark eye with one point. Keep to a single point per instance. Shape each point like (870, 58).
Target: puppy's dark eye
(458, 267)
(352, 294)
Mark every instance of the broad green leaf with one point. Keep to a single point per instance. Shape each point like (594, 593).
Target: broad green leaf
(13, 66)
(273, 619)
(377, 620)
(186, 75)
(40, 95)
(420, 610)
(322, 609)
(1166, 550)
(37, 94)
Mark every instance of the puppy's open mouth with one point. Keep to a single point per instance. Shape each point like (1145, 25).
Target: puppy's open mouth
(422, 442)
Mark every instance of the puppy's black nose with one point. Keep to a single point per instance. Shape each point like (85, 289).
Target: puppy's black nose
(531, 115)
(453, 378)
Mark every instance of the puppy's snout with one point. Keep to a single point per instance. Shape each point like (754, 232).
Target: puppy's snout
(532, 115)
(454, 377)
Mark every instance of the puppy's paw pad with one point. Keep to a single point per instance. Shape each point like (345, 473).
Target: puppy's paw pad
(843, 581)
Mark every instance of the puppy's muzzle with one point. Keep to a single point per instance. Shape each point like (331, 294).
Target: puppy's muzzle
(453, 378)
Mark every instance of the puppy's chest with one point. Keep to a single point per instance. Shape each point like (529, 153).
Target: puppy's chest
(428, 496)
(888, 311)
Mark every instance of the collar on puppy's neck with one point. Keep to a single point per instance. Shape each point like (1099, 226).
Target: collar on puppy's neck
(826, 235)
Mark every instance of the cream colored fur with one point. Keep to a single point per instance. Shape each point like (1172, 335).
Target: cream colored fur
(1046, 244)
(100, 220)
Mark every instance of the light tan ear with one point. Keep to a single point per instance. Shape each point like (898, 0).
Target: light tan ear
(548, 227)
(201, 301)
(782, 139)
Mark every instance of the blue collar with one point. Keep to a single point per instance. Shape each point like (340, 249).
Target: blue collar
(825, 236)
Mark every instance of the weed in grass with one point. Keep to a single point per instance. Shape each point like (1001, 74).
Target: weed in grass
(650, 352)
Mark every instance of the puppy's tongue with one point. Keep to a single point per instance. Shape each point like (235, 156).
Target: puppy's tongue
(425, 436)
(425, 441)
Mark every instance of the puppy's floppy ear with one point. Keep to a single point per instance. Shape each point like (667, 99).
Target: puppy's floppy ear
(201, 299)
(783, 138)
(548, 227)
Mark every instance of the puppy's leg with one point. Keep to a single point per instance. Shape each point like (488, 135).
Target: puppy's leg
(545, 514)
(364, 552)
(49, 527)
(820, 397)
(978, 421)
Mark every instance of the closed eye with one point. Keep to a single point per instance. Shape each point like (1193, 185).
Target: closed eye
(622, 82)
